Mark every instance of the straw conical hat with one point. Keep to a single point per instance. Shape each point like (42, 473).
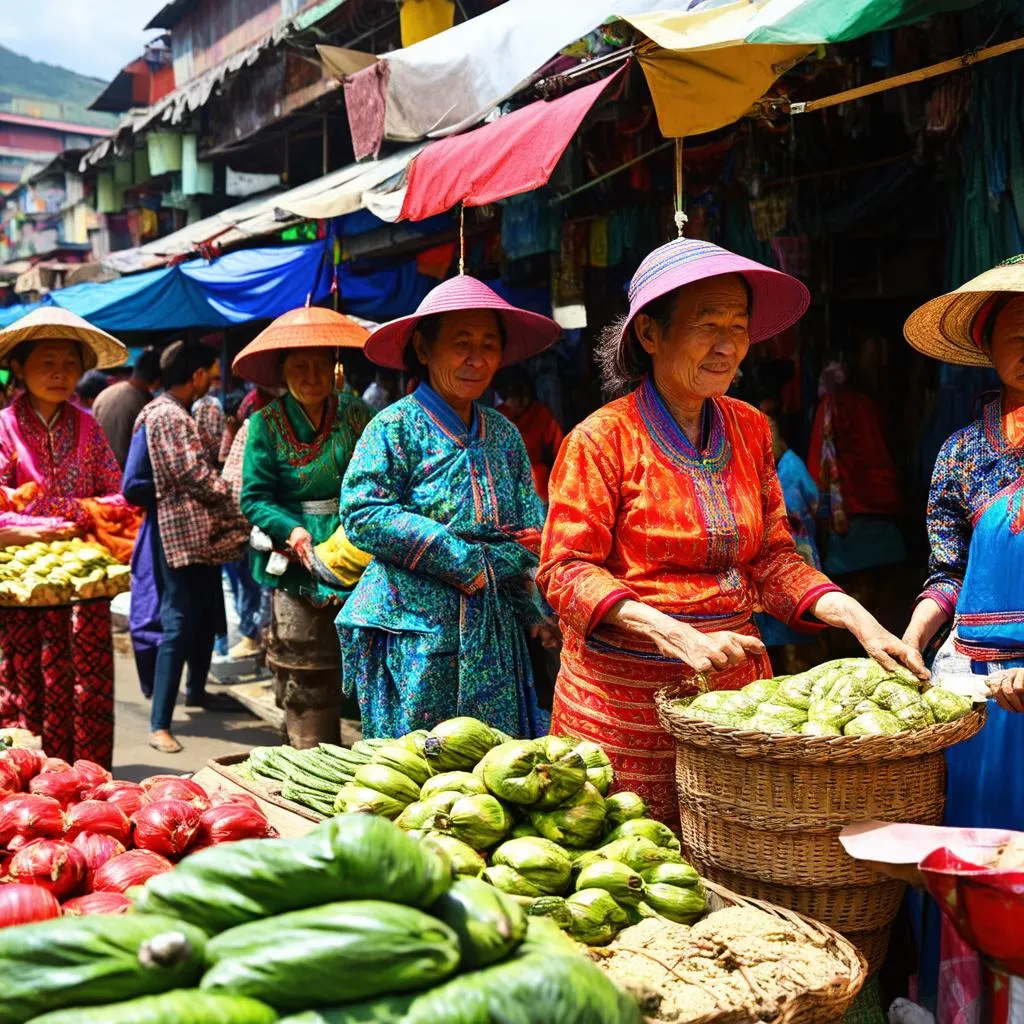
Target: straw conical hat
(100, 351)
(306, 327)
(944, 327)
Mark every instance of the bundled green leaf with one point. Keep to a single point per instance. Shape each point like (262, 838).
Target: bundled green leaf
(182, 1006)
(821, 729)
(481, 821)
(364, 800)
(386, 1010)
(659, 834)
(619, 881)
(452, 782)
(345, 951)
(916, 716)
(507, 879)
(458, 744)
(488, 923)
(522, 830)
(89, 961)
(874, 723)
(773, 718)
(946, 705)
(563, 779)
(403, 760)
(596, 917)
(465, 860)
(600, 773)
(552, 907)
(578, 823)
(623, 806)
(681, 874)
(544, 985)
(761, 690)
(510, 772)
(356, 856)
(554, 747)
(538, 860)
(421, 814)
(414, 741)
(389, 781)
(794, 692)
(892, 695)
(639, 853)
(678, 903)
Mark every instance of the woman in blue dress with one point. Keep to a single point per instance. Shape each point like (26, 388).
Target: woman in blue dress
(976, 530)
(440, 492)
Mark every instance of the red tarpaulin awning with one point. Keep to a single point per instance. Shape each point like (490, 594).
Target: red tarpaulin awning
(514, 154)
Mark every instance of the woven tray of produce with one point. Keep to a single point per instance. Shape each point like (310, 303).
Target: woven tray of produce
(745, 960)
(61, 572)
(851, 710)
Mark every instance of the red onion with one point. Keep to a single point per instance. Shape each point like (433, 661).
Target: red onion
(97, 903)
(49, 863)
(91, 773)
(26, 763)
(148, 784)
(230, 822)
(32, 815)
(63, 786)
(97, 849)
(223, 797)
(10, 778)
(178, 789)
(125, 795)
(166, 827)
(119, 874)
(23, 904)
(106, 790)
(97, 816)
(55, 764)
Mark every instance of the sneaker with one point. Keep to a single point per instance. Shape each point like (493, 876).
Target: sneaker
(245, 648)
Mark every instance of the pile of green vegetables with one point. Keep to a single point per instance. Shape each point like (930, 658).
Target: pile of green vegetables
(848, 697)
(532, 817)
(354, 923)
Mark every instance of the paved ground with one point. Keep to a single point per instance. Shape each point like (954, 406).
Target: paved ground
(203, 734)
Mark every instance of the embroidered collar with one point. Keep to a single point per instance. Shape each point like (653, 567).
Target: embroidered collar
(995, 434)
(446, 419)
(673, 442)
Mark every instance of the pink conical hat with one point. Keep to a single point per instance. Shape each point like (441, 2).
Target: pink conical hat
(526, 333)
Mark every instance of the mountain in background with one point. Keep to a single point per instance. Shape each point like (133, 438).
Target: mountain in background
(36, 89)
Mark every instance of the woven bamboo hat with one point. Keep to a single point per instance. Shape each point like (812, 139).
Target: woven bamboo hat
(306, 327)
(100, 351)
(952, 327)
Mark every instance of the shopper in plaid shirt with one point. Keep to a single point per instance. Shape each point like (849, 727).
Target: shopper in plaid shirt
(192, 526)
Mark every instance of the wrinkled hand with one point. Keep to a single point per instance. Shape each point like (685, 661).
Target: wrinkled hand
(548, 633)
(301, 544)
(705, 652)
(1007, 687)
(11, 536)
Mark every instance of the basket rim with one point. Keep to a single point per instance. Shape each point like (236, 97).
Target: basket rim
(745, 743)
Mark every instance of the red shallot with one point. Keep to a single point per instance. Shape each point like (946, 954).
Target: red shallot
(166, 827)
(178, 789)
(27, 763)
(49, 863)
(96, 816)
(32, 815)
(230, 822)
(223, 796)
(91, 773)
(23, 904)
(64, 786)
(55, 764)
(97, 903)
(97, 849)
(126, 795)
(10, 778)
(120, 873)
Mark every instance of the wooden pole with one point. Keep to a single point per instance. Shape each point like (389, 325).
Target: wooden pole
(956, 64)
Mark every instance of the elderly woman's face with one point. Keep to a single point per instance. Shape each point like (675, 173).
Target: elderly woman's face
(51, 371)
(464, 357)
(1007, 348)
(309, 375)
(700, 351)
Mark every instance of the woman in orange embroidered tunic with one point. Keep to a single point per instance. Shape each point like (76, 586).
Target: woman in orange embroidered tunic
(667, 525)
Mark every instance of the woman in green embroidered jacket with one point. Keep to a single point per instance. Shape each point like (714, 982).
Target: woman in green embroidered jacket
(296, 454)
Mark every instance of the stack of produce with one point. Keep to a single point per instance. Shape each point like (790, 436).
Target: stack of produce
(532, 817)
(848, 697)
(355, 922)
(73, 840)
(58, 572)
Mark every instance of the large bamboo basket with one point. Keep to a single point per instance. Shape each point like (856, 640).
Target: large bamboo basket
(762, 813)
(828, 1003)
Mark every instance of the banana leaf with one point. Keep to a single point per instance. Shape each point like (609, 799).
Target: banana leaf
(183, 1006)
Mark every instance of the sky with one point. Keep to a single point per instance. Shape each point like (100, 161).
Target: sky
(93, 37)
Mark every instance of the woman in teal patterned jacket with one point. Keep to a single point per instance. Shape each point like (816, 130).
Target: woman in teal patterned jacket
(440, 492)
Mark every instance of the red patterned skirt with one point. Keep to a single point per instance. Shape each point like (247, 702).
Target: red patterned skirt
(605, 693)
(57, 678)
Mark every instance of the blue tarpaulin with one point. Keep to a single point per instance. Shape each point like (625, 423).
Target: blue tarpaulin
(251, 284)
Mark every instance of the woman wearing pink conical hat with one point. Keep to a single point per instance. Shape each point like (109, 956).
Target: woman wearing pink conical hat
(666, 525)
(440, 492)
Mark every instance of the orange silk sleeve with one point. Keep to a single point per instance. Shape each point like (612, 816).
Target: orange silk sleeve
(583, 496)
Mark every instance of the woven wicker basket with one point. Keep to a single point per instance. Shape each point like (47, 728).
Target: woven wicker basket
(815, 1006)
(762, 813)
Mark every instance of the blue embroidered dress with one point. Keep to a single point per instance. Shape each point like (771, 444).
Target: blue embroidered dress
(976, 528)
(434, 628)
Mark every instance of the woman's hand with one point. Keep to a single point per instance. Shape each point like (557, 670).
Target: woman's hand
(548, 633)
(1007, 687)
(888, 650)
(18, 536)
(301, 543)
(703, 652)
(928, 618)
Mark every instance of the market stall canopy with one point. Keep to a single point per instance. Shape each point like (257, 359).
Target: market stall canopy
(514, 154)
(708, 65)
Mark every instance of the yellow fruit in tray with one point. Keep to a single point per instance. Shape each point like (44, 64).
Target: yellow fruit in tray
(90, 554)
(72, 565)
